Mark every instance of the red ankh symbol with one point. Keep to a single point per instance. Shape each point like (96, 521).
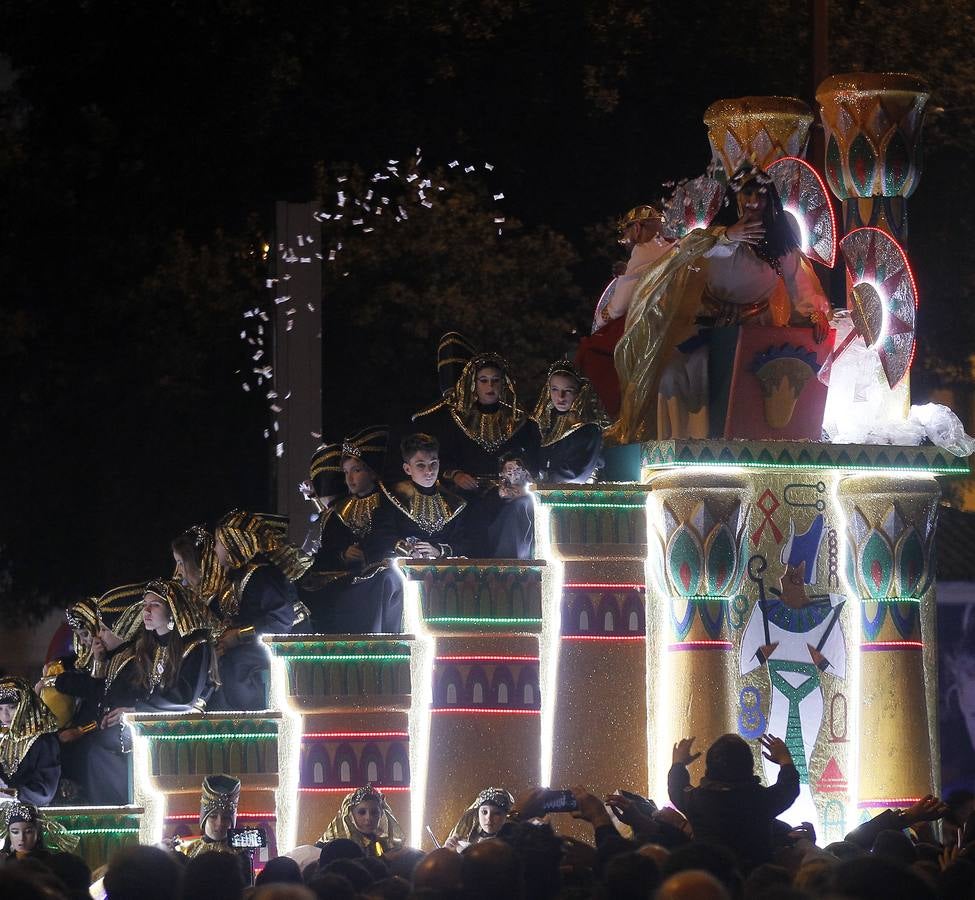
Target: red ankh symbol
(768, 503)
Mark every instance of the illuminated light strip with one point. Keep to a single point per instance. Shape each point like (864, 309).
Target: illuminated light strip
(890, 599)
(516, 659)
(345, 657)
(549, 645)
(348, 789)
(356, 735)
(604, 637)
(892, 645)
(486, 711)
(700, 645)
(934, 470)
(195, 817)
(479, 620)
(230, 736)
(702, 598)
(601, 586)
(886, 803)
(289, 752)
(104, 830)
(566, 504)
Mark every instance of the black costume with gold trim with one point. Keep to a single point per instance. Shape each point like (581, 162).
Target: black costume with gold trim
(571, 442)
(30, 756)
(472, 436)
(410, 513)
(261, 600)
(345, 596)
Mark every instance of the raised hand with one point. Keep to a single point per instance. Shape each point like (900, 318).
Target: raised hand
(682, 752)
(746, 231)
(927, 809)
(775, 750)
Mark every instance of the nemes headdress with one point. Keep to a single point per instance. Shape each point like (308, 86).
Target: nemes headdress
(343, 825)
(187, 616)
(369, 446)
(82, 616)
(53, 834)
(246, 534)
(212, 579)
(325, 471)
(586, 409)
(467, 825)
(30, 721)
(464, 409)
(220, 793)
(120, 609)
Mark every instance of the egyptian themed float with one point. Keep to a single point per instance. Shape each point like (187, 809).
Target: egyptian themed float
(767, 566)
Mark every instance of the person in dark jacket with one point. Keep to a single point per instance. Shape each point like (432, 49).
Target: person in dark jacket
(261, 600)
(731, 807)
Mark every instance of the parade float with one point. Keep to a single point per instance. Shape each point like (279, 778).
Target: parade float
(774, 576)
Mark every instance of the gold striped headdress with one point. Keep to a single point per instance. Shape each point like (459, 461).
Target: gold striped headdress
(343, 825)
(245, 535)
(30, 721)
(54, 836)
(586, 409)
(120, 609)
(369, 446)
(453, 353)
(82, 616)
(220, 792)
(187, 616)
(468, 824)
(212, 578)
(326, 470)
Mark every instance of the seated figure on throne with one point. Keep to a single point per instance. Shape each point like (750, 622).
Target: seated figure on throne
(749, 271)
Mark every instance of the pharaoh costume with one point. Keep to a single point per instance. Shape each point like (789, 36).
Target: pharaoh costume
(799, 639)
(51, 836)
(346, 597)
(571, 441)
(468, 831)
(30, 756)
(706, 282)
(595, 353)
(327, 482)
(213, 580)
(411, 513)
(220, 793)
(96, 688)
(260, 600)
(473, 436)
(388, 835)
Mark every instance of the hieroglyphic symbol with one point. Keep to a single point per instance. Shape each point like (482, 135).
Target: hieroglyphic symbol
(820, 488)
(737, 609)
(833, 558)
(837, 719)
(751, 719)
(768, 503)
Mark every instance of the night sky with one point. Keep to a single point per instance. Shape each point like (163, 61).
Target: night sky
(142, 148)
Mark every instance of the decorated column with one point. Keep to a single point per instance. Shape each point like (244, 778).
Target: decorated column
(889, 568)
(762, 129)
(594, 537)
(476, 723)
(349, 698)
(873, 124)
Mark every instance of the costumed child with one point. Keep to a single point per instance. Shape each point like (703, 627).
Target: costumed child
(344, 594)
(219, 799)
(26, 834)
(570, 422)
(478, 419)
(482, 820)
(418, 518)
(324, 486)
(260, 600)
(366, 819)
(30, 756)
